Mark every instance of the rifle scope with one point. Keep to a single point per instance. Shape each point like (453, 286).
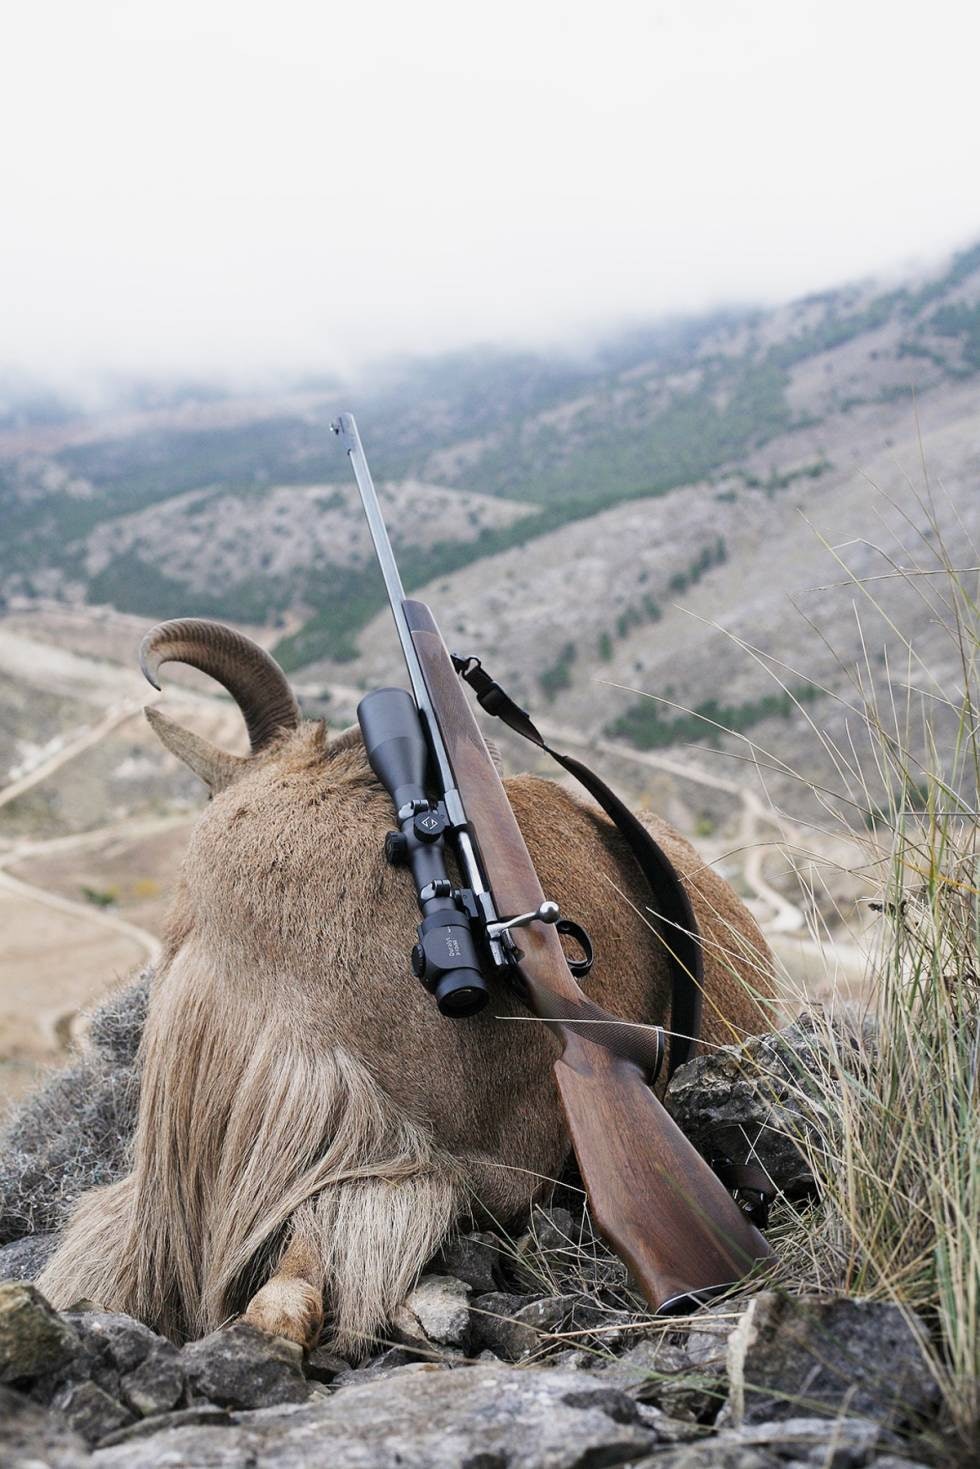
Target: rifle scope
(445, 957)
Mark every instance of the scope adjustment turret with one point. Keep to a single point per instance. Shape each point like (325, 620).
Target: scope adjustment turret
(429, 826)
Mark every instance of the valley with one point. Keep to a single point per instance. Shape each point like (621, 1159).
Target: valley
(700, 552)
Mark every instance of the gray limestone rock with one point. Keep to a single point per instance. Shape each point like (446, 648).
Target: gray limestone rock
(801, 1357)
(33, 1338)
(151, 1378)
(90, 1411)
(752, 1101)
(551, 1233)
(30, 1438)
(138, 1370)
(156, 1384)
(554, 1228)
(24, 1259)
(484, 1417)
(204, 1413)
(657, 1372)
(710, 1454)
(796, 1443)
(514, 1328)
(894, 1461)
(706, 1344)
(437, 1310)
(382, 1365)
(475, 1259)
(242, 1367)
(324, 1366)
(840, 1442)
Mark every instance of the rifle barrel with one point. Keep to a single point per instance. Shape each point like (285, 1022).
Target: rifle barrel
(345, 428)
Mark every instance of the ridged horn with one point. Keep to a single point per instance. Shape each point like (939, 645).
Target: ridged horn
(250, 674)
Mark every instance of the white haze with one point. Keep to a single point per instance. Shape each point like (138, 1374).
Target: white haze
(250, 187)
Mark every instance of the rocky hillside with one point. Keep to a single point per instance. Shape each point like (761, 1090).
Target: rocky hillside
(581, 521)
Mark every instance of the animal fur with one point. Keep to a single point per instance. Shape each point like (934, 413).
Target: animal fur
(310, 1127)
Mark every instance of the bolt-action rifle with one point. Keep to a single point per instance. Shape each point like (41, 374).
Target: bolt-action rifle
(652, 1195)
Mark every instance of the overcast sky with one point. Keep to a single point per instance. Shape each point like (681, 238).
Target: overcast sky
(191, 184)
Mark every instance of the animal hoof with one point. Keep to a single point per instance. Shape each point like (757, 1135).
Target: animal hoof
(289, 1308)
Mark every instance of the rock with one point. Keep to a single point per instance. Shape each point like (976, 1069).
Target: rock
(606, 1328)
(157, 1384)
(547, 1251)
(748, 1102)
(571, 1358)
(33, 1337)
(30, 1438)
(474, 1259)
(892, 1461)
(713, 1454)
(824, 1443)
(437, 1310)
(125, 1359)
(485, 1417)
(795, 1443)
(184, 1417)
(381, 1366)
(117, 1339)
(90, 1411)
(513, 1327)
(792, 1357)
(149, 1377)
(664, 1375)
(25, 1258)
(242, 1367)
(706, 1343)
(323, 1366)
(554, 1228)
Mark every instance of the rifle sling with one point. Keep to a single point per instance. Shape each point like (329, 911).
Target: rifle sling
(673, 906)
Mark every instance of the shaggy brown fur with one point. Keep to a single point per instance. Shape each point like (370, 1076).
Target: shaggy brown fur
(306, 1114)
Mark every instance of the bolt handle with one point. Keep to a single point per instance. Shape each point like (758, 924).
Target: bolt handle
(546, 912)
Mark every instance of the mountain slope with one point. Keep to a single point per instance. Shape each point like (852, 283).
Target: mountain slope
(555, 509)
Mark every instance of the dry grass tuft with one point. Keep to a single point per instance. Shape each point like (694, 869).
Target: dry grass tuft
(889, 1119)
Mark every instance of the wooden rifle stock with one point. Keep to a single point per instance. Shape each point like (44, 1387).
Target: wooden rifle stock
(653, 1197)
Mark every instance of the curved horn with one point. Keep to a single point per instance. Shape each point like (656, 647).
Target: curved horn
(250, 674)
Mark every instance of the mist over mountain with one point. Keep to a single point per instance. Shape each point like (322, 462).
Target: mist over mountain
(566, 512)
(697, 551)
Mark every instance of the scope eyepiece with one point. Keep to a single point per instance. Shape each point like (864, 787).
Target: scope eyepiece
(445, 960)
(457, 996)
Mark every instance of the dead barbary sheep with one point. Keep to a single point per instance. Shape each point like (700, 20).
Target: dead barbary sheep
(310, 1127)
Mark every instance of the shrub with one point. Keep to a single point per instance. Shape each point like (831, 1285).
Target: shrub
(559, 675)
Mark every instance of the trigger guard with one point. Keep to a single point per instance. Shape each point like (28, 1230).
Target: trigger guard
(579, 967)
